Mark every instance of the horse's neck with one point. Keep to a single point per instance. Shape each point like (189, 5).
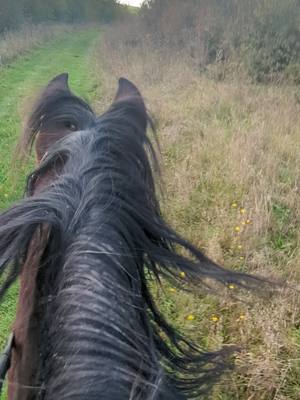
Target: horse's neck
(87, 333)
(25, 352)
(101, 344)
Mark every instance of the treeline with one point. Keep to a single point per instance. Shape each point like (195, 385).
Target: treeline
(14, 13)
(263, 35)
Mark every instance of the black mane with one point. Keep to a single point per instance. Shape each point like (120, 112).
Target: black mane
(101, 334)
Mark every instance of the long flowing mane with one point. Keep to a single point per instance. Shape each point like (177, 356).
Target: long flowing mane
(92, 220)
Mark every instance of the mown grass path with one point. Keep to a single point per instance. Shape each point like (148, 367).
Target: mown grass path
(18, 82)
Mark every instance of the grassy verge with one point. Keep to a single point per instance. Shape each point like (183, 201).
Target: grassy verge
(18, 82)
(230, 151)
(15, 43)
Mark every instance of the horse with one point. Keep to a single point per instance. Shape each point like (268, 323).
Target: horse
(87, 241)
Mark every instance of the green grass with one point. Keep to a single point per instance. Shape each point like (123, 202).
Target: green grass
(18, 81)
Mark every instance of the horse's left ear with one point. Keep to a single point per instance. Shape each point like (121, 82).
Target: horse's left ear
(56, 113)
(129, 96)
(59, 83)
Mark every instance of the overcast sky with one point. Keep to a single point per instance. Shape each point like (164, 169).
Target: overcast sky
(131, 2)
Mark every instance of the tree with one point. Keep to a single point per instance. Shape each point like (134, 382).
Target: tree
(15, 12)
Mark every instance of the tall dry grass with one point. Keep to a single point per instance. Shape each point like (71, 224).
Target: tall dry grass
(15, 43)
(231, 157)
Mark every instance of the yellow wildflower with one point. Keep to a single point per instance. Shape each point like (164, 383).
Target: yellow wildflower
(241, 317)
(240, 247)
(182, 274)
(237, 229)
(214, 318)
(190, 317)
(234, 205)
(231, 286)
(248, 221)
(242, 210)
(172, 290)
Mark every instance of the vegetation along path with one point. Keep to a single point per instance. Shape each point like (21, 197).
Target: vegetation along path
(18, 82)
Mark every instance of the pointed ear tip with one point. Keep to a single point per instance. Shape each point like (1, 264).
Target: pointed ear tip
(122, 79)
(127, 88)
(59, 82)
(125, 81)
(127, 91)
(62, 78)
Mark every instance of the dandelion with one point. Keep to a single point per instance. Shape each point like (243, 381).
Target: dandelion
(172, 290)
(231, 286)
(248, 221)
(244, 223)
(214, 318)
(242, 317)
(240, 247)
(242, 258)
(242, 211)
(237, 229)
(190, 317)
(234, 205)
(182, 274)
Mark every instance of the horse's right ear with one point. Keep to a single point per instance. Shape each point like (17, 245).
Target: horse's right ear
(127, 90)
(129, 96)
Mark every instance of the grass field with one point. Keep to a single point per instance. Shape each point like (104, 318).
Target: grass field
(19, 82)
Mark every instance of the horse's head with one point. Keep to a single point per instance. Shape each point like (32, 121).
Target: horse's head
(83, 240)
(58, 113)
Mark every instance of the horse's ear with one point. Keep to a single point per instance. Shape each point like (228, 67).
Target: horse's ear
(129, 96)
(127, 90)
(56, 113)
(59, 83)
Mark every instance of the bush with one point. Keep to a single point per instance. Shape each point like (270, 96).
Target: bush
(13, 13)
(292, 73)
(264, 35)
(274, 40)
